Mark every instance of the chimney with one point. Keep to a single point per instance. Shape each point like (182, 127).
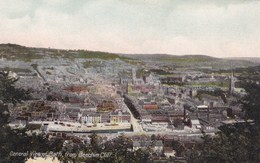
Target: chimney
(184, 113)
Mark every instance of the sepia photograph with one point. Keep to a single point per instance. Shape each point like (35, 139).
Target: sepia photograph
(129, 81)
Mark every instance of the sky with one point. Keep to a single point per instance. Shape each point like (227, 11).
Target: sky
(219, 28)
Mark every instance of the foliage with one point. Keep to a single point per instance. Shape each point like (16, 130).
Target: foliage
(18, 140)
(236, 142)
(17, 52)
(89, 64)
(118, 149)
(189, 58)
(251, 102)
(160, 72)
(179, 148)
(100, 55)
(215, 93)
(211, 84)
(15, 69)
(8, 92)
(22, 53)
(243, 73)
(121, 151)
(131, 61)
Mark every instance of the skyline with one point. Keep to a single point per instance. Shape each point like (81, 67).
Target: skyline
(215, 28)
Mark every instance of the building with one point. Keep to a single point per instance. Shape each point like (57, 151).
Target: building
(172, 80)
(91, 118)
(150, 107)
(133, 80)
(120, 117)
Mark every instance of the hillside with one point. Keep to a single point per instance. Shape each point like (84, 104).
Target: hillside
(195, 61)
(251, 59)
(18, 52)
(173, 58)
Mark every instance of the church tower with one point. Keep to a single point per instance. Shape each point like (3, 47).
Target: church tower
(133, 75)
(231, 84)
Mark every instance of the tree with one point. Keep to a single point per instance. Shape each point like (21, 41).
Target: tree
(4, 115)
(119, 147)
(251, 102)
(179, 148)
(94, 142)
(153, 137)
(49, 98)
(66, 99)
(8, 92)
(18, 140)
(236, 142)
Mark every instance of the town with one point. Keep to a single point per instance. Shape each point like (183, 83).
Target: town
(152, 103)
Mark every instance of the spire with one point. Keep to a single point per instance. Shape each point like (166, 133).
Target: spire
(231, 84)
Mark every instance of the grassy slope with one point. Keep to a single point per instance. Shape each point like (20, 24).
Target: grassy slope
(194, 61)
(17, 52)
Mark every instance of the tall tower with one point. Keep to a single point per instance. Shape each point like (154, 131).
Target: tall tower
(231, 84)
(133, 75)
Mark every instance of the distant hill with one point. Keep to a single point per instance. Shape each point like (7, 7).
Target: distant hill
(195, 61)
(18, 52)
(13, 52)
(173, 58)
(251, 59)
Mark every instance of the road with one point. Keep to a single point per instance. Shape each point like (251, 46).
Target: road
(137, 127)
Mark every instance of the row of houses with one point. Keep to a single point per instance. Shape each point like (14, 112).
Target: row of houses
(112, 117)
(51, 111)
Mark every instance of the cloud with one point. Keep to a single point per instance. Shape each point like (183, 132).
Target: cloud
(218, 28)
